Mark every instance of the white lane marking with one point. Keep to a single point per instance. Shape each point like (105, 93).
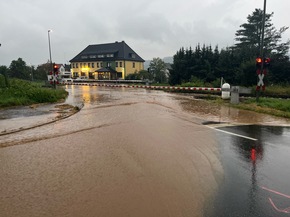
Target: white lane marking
(234, 134)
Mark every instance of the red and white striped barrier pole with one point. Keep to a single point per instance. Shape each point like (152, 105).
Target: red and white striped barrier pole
(150, 87)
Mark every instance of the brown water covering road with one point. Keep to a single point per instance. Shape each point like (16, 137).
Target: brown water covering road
(126, 153)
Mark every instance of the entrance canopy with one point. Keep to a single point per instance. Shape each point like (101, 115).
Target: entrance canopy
(106, 69)
(106, 73)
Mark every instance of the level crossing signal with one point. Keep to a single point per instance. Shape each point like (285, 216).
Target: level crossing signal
(55, 69)
(54, 75)
(261, 73)
(260, 60)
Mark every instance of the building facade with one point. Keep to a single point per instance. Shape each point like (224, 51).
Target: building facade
(106, 62)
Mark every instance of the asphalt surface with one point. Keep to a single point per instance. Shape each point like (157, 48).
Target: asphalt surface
(256, 172)
(142, 149)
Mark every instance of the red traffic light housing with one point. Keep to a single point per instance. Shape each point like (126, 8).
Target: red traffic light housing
(55, 68)
(258, 61)
(267, 62)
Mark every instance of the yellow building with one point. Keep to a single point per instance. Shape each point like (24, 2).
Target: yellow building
(106, 62)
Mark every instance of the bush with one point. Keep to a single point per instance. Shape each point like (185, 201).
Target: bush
(23, 92)
(194, 82)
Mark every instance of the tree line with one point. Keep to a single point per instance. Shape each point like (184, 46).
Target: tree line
(236, 64)
(19, 69)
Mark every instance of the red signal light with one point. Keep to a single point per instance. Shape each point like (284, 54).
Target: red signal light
(253, 154)
(55, 68)
(259, 60)
(267, 60)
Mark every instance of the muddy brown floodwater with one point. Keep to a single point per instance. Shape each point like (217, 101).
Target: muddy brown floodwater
(128, 152)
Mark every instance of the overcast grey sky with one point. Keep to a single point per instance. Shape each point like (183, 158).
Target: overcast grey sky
(152, 28)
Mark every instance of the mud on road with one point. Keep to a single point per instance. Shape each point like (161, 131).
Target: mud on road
(126, 153)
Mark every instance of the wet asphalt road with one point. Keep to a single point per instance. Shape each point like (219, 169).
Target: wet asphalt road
(256, 172)
(37, 166)
(128, 152)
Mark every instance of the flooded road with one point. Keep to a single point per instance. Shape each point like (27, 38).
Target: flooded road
(256, 169)
(127, 152)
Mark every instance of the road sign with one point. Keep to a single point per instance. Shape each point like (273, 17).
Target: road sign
(261, 82)
(53, 79)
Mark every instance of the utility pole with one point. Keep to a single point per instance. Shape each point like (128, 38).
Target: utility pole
(51, 65)
(49, 47)
(262, 47)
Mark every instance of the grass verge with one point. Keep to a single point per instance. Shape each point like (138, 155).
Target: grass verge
(22, 92)
(272, 106)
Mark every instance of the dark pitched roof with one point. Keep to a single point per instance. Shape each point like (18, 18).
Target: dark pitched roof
(107, 52)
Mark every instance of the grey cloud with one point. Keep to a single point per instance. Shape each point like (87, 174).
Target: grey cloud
(152, 28)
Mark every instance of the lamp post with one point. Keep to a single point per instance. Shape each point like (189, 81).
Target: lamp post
(49, 47)
(51, 65)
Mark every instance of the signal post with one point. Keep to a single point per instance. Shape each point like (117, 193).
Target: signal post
(262, 65)
(54, 75)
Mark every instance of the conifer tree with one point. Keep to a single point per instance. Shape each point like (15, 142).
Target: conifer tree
(249, 37)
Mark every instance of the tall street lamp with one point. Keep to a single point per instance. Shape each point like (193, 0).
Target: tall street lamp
(51, 66)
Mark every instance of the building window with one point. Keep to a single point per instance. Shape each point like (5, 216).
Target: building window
(133, 65)
(93, 65)
(98, 65)
(108, 64)
(110, 55)
(77, 65)
(121, 64)
(85, 64)
(89, 65)
(101, 64)
(101, 56)
(116, 64)
(81, 65)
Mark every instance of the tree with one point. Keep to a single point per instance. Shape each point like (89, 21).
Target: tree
(248, 46)
(4, 72)
(157, 70)
(176, 74)
(249, 37)
(42, 71)
(19, 69)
